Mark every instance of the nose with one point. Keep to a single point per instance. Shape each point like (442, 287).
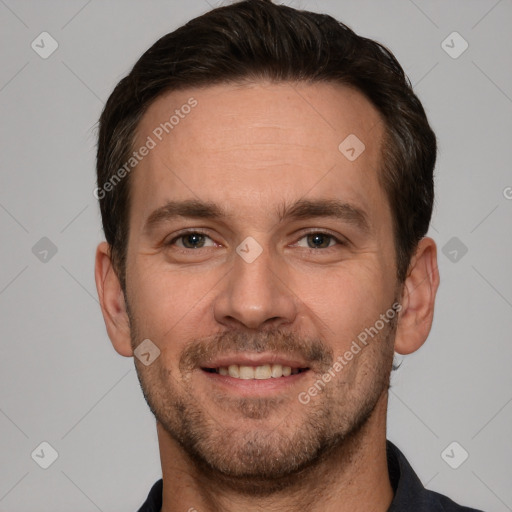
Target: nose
(255, 295)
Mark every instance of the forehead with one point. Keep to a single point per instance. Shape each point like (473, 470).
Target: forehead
(258, 144)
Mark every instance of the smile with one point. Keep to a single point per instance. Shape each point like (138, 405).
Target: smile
(261, 372)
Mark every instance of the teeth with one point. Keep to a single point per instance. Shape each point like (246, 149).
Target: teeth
(277, 370)
(233, 371)
(246, 372)
(262, 372)
(265, 371)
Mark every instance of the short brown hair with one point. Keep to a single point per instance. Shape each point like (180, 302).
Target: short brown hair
(252, 40)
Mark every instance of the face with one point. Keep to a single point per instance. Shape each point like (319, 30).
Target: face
(257, 247)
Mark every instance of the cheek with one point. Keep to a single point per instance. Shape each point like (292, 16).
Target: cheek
(170, 304)
(343, 302)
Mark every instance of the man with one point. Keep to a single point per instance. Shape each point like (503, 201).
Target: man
(265, 179)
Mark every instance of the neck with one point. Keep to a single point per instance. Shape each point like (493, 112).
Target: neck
(353, 476)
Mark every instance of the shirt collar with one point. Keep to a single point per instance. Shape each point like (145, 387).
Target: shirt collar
(409, 493)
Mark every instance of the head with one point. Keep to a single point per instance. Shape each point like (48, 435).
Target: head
(300, 162)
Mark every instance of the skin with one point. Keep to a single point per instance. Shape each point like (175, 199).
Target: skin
(251, 149)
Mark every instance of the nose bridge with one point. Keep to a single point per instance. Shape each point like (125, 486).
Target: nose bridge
(253, 293)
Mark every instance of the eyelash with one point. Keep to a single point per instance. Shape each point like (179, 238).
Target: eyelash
(199, 231)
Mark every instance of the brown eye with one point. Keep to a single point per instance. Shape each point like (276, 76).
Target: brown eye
(319, 240)
(191, 240)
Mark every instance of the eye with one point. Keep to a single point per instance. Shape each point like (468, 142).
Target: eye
(319, 240)
(191, 240)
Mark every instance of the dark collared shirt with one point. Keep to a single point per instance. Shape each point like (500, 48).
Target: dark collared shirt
(410, 495)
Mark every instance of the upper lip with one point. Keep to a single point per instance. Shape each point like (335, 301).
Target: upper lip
(255, 359)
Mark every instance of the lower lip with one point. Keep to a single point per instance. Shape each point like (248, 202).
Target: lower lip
(253, 387)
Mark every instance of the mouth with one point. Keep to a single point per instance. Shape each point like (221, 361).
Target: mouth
(251, 374)
(260, 372)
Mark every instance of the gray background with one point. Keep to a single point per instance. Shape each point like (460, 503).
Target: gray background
(60, 379)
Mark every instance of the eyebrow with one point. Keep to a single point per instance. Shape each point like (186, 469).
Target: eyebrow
(299, 210)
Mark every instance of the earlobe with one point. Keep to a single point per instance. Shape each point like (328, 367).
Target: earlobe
(418, 298)
(112, 301)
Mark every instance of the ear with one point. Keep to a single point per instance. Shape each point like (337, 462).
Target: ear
(418, 297)
(112, 301)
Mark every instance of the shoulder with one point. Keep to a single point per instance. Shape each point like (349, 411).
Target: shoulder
(153, 502)
(410, 494)
(438, 502)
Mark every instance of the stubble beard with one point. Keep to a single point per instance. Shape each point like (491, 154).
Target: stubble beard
(285, 439)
